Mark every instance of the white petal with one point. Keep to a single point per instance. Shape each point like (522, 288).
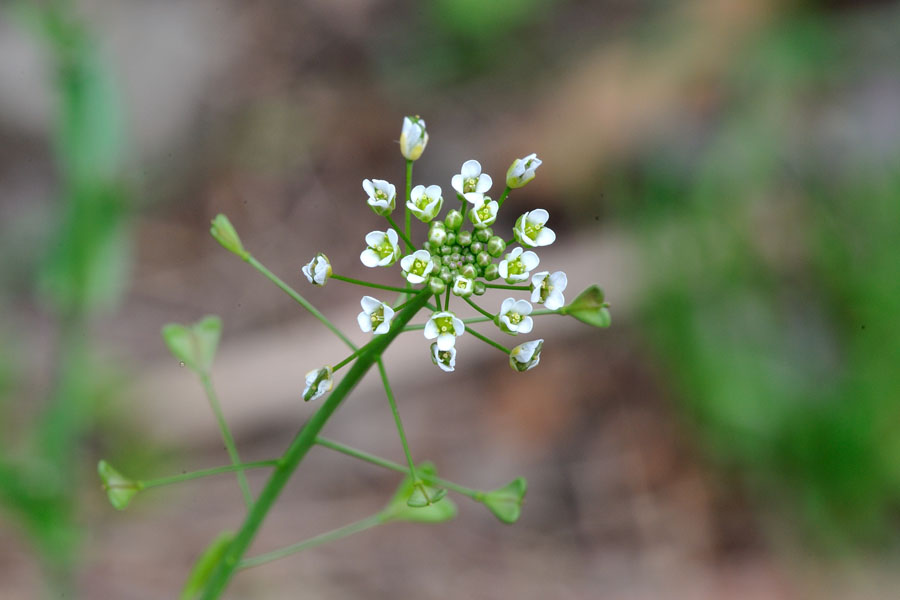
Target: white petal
(539, 216)
(457, 183)
(431, 330)
(507, 304)
(545, 237)
(470, 169)
(433, 191)
(502, 269)
(388, 313)
(530, 260)
(526, 325)
(382, 328)
(458, 326)
(369, 258)
(475, 199)
(368, 187)
(407, 261)
(417, 192)
(523, 307)
(392, 236)
(414, 279)
(369, 304)
(374, 238)
(555, 300)
(365, 322)
(445, 341)
(484, 183)
(559, 281)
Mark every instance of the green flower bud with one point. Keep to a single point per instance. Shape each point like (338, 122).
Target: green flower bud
(451, 239)
(484, 234)
(446, 250)
(436, 285)
(437, 235)
(119, 489)
(479, 288)
(464, 238)
(589, 308)
(483, 259)
(453, 220)
(491, 272)
(468, 271)
(506, 502)
(475, 247)
(446, 275)
(222, 229)
(496, 246)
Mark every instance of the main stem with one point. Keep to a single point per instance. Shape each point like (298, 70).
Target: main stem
(301, 444)
(227, 437)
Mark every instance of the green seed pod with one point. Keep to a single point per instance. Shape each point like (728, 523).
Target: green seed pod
(479, 288)
(496, 246)
(491, 272)
(454, 220)
(483, 259)
(469, 272)
(464, 238)
(436, 285)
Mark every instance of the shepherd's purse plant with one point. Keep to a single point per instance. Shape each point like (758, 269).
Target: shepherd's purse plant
(458, 259)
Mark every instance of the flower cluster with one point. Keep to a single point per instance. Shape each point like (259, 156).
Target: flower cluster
(462, 255)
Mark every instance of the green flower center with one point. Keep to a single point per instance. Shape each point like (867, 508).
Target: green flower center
(423, 202)
(384, 249)
(484, 213)
(377, 317)
(532, 229)
(380, 195)
(444, 356)
(516, 267)
(514, 318)
(444, 324)
(418, 267)
(470, 184)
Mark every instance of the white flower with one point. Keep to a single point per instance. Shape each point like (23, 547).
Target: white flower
(445, 359)
(375, 316)
(484, 213)
(318, 381)
(525, 357)
(425, 203)
(471, 179)
(417, 266)
(382, 250)
(522, 171)
(446, 327)
(529, 229)
(513, 317)
(517, 265)
(318, 270)
(463, 286)
(547, 289)
(382, 196)
(413, 138)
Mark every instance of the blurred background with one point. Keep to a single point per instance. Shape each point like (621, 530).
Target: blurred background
(727, 170)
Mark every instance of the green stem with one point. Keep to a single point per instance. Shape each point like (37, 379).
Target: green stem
(437, 301)
(502, 197)
(301, 444)
(226, 437)
(409, 166)
(400, 232)
(205, 473)
(377, 286)
(399, 423)
(479, 309)
(346, 360)
(489, 341)
(499, 286)
(330, 536)
(299, 300)
(389, 464)
(447, 298)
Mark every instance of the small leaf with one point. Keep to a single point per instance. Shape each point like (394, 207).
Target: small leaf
(194, 345)
(506, 502)
(399, 508)
(590, 308)
(205, 564)
(119, 488)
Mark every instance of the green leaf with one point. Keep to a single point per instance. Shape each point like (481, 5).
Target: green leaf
(399, 508)
(205, 565)
(119, 488)
(506, 502)
(589, 308)
(194, 345)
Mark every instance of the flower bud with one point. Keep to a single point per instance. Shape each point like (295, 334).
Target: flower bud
(483, 259)
(464, 238)
(484, 234)
(468, 271)
(475, 247)
(463, 286)
(521, 171)
(491, 272)
(496, 246)
(413, 138)
(453, 220)
(445, 359)
(223, 231)
(318, 270)
(479, 288)
(318, 381)
(437, 285)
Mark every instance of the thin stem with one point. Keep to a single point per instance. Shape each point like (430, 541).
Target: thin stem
(330, 536)
(489, 341)
(479, 309)
(227, 437)
(546, 311)
(409, 166)
(389, 464)
(437, 301)
(502, 197)
(299, 299)
(150, 483)
(377, 286)
(500, 286)
(447, 299)
(511, 241)
(301, 444)
(400, 232)
(421, 326)
(397, 421)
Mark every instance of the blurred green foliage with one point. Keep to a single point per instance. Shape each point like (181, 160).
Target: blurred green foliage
(776, 293)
